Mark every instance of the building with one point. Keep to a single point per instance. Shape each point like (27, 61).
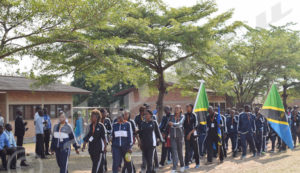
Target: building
(133, 98)
(18, 93)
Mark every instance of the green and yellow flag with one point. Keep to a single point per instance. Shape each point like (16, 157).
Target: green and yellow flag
(273, 110)
(201, 105)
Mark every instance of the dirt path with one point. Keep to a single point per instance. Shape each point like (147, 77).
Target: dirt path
(270, 163)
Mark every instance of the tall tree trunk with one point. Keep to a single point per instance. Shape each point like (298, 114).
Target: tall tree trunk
(160, 100)
(284, 96)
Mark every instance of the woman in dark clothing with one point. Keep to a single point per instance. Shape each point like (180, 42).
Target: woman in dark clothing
(97, 142)
(149, 133)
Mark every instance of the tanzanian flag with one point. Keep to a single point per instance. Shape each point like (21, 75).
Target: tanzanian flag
(201, 105)
(273, 110)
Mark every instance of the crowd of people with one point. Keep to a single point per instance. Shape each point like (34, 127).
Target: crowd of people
(182, 137)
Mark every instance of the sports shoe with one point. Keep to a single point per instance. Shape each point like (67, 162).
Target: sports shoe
(197, 166)
(182, 169)
(243, 157)
(169, 162)
(208, 163)
(186, 167)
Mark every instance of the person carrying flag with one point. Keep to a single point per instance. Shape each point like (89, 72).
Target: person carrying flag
(200, 109)
(246, 129)
(213, 136)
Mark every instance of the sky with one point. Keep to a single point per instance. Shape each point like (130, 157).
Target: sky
(256, 13)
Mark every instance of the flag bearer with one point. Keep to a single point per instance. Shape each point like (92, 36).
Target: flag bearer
(97, 142)
(63, 136)
(212, 136)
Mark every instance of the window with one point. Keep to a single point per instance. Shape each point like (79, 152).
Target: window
(53, 110)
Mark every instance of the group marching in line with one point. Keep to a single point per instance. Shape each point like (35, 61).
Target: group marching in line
(182, 137)
(179, 132)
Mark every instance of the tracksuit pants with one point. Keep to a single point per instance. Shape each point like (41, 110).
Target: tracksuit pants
(164, 154)
(98, 162)
(247, 138)
(213, 139)
(190, 146)
(118, 155)
(234, 142)
(62, 158)
(47, 140)
(273, 140)
(295, 135)
(202, 144)
(149, 154)
(259, 141)
(176, 145)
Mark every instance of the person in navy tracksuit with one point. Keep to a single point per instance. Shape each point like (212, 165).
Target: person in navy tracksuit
(97, 142)
(232, 132)
(246, 129)
(272, 137)
(295, 125)
(62, 138)
(149, 133)
(122, 141)
(261, 131)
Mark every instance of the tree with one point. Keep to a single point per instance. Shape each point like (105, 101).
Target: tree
(158, 37)
(246, 66)
(137, 44)
(98, 96)
(25, 25)
(287, 70)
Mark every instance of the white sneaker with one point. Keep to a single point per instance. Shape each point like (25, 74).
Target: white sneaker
(173, 171)
(182, 169)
